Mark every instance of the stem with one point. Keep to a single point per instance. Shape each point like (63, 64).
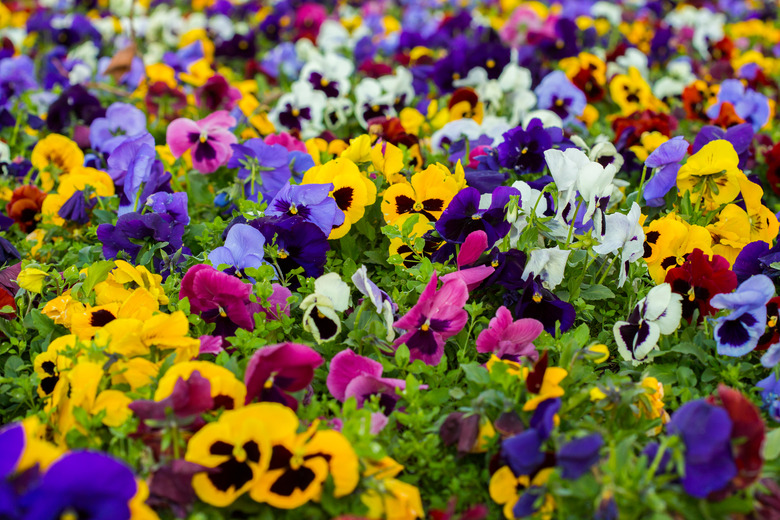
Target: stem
(573, 221)
(641, 186)
(604, 276)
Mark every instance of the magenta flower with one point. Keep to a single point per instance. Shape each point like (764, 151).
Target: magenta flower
(209, 140)
(436, 316)
(351, 375)
(475, 244)
(219, 298)
(508, 339)
(276, 371)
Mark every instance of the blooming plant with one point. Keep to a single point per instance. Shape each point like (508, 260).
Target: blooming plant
(389, 260)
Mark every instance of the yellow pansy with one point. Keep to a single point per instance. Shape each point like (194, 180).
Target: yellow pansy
(79, 179)
(53, 155)
(711, 175)
(115, 404)
(649, 141)
(32, 279)
(38, 451)
(359, 149)
(505, 489)
(668, 240)
(388, 159)
(165, 332)
(632, 93)
(428, 194)
(121, 281)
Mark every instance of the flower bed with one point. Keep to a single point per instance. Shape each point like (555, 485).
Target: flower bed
(422, 259)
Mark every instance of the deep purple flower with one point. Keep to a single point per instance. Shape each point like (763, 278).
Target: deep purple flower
(523, 452)
(739, 332)
(217, 94)
(558, 94)
(564, 42)
(351, 375)
(666, 161)
(76, 207)
(276, 371)
(239, 46)
(539, 303)
(543, 419)
(94, 484)
(264, 168)
(243, 248)
(122, 121)
(219, 298)
(299, 244)
(464, 215)
(13, 441)
(74, 102)
(756, 258)
(311, 202)
(437, 315)
(523, 150)
(578, 456)
(705, 430)
(525, 505)
(452, 67)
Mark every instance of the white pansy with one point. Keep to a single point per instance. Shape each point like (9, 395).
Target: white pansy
(548, 264)
(320, 310)
(301, 97)
(623, 233)
(529, 199)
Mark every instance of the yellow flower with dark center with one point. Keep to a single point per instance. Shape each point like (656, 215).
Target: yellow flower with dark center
(668, 240)
(408, 249)
(465, 104)
(226, 390)
(48, 365)
(632, 93)
(56, 154)
(352, 190)
(238, 449)
(301, 463)
(124, 279)
(428, 194)
(711, 175)
(649, 141)
(585, 61)
(505, 489)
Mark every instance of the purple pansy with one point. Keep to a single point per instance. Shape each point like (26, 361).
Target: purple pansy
(748, 104)
(264, 168)
(311, 202)
(122, 121)
(243, 248)
(351, 375)
(558, 94)
(739, 332)
(740, 136)
(770, 394)
(299, 244)
(535, 301)
(576, 457)
(705, 430)
(665, 160)
(523, 149)
(17, 75)
(465, 214)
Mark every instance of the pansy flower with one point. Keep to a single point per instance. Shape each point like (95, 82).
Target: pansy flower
(665, 160)
(226, 390)
(711, 174)
(25, 206)
(263, 168)
(698, 280)
(623, 233)
(467, 213)
(382, 303)
(510, 339)
(536, 301)
(351, 375)
(311, 202)
(522, 150)
(668, 240)
(276, 371)
(218, 298)
(300, 111)
(437, 315)
(739, 332)
(243, 249)
(298, 244)
(331, 295)
(746, 102)
(558, 94)
(208, 139)
(657, 313)
(428, 194)
(121, 121)
(57, 154)
(352, 190)
(236, 448)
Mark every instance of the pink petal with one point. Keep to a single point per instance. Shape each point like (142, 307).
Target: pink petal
(471, 276)
(219, 120)
(347, 366)
(487, 341)
(412, 318)
(178, 135)
(378, 422)
(210, 345)
(473, 247)
(524, 330)
(223, 153)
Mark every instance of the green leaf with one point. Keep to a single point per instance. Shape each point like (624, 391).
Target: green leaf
(96, 273)
(12, 365)
(772, 445)
(402, 356)
(596, 292)
(476, 373)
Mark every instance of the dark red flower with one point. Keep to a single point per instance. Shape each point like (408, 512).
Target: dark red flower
(217, 94)
(629, 130)
(164, 101)
(747, 434)
(25, 206)
(772, 158)
(276, 371)
(698, 280)
(772, 333)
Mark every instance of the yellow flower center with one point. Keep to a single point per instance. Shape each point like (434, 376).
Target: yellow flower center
(319, 314)
(269, 382)
(494, 263)
(455, 76)
(537, 297)
(425, 327)
(324, 82)
(243, 45)
(68, 515)
(239, 453)
(691, 295)
(203, 138)
(284, 21)
(296, 112)
(558, 102)
(490, 64)
(772, 321)
(293, 209)
(476, 217)
(283, 254)
(418, 206)
(524, 150)
(559, 44)
(375, 108)
(222, 312)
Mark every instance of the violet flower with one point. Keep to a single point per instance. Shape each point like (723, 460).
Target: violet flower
(523, 149)
(559, 95)
(264, 168)
(94, 484)
(541, 304)
(576, 457)
(311, 202)
(181, 60)
(740, 136)
(243, 248)
(133, 165)
(351, 375)
(748, 104)
(739, 332)
(666, 161)
(190, 397)
(770, 395)
(437, 315)
(17, 75)
(209, 139)
(74, 102)
(299, 244)
(217, 94)
(276, 371)
(705, 430)
(122, 121)
(510, 339)
(465, 214)
(218, 298)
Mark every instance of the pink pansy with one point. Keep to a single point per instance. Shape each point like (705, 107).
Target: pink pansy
(472, 248)
(219, 298)
(211, 345)
(209, 140)
(276, 371)
(436, 316)
(351, 375)
(508, 339)
(283, 138)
